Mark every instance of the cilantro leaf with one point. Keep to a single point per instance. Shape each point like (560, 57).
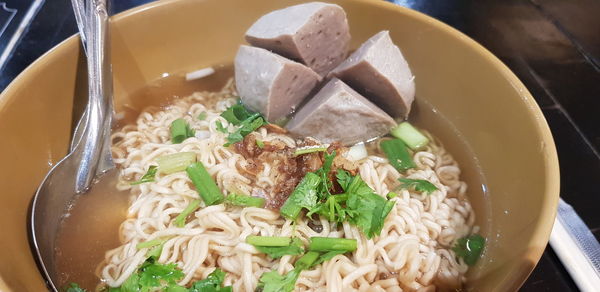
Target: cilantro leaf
(148, 176)
(303, 196)
(153, 274)
(220, 127)
(419, 185)
(323, 172)
(273, 282)
(343, 178)
(74, 287)
(212, 283)
(246, 127)
(275, 252)
(469, 248)
(369, 208)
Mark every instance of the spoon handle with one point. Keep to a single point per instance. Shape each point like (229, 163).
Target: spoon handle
(95, 142)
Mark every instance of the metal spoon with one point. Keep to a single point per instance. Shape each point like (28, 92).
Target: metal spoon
(90, 156)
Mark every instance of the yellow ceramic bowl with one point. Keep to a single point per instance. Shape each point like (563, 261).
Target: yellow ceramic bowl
(468, 87)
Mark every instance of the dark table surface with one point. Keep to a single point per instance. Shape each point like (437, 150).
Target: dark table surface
(552, 45)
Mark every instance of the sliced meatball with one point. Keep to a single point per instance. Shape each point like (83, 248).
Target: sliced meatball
(271, 84)
(379, 72)
(315, 34)
(338, 113)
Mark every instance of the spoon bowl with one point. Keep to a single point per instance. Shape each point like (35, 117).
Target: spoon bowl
(90, 155)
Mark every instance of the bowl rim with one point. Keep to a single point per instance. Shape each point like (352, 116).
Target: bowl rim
(548, 209)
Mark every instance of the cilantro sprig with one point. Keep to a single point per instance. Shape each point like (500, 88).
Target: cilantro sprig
(245, 120)
(358, 204)
(154, 276)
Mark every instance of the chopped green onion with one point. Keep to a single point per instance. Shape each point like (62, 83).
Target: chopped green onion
(175, 162)
(206, 186)
(397, 154)
(331, 243)
(469, 248)
(419, 185)
(150, 243)
(294, 248)
(268, 240)
(202, 116)
(156, 250)
(303, 196)
(244, 201)
(260, 144)
(310, 149)
(220, 127)
(180, 219)
(147, 177)
(307, 260)
(410, 135)
(236, 114)
(180, 130)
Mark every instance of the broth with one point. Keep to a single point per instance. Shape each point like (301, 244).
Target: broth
(92, 227)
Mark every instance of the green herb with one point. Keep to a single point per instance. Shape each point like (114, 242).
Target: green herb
(151, 275)
(244, 201)
(397, 154)
(275, 252)
(220, 127)
(303, 196)
(326, 184)
(343, 178)
(191, 207)
(391, 195)
(368, 208)
(419, 185)
(307, 261)
(156, 250)
(202, 116)
(273, 282)
(150, 243)
(205, 185)
(74, 287)
(469, 248)
(180, 130)
(410, 135)
(147, 177)
(310, 149)
(328, 256)
(246, 127)
(326, 244)
(260, 143)
(268, 240)
(236, 114)
(175, 162)
(212, 283)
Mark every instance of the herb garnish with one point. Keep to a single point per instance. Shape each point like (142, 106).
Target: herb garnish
(358, 204)
(397, 153)
(180, 130)
(419, 185)
(147, 177)
(246, 121)
(469, 248)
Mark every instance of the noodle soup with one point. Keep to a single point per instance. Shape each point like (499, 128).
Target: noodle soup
(413, 251)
